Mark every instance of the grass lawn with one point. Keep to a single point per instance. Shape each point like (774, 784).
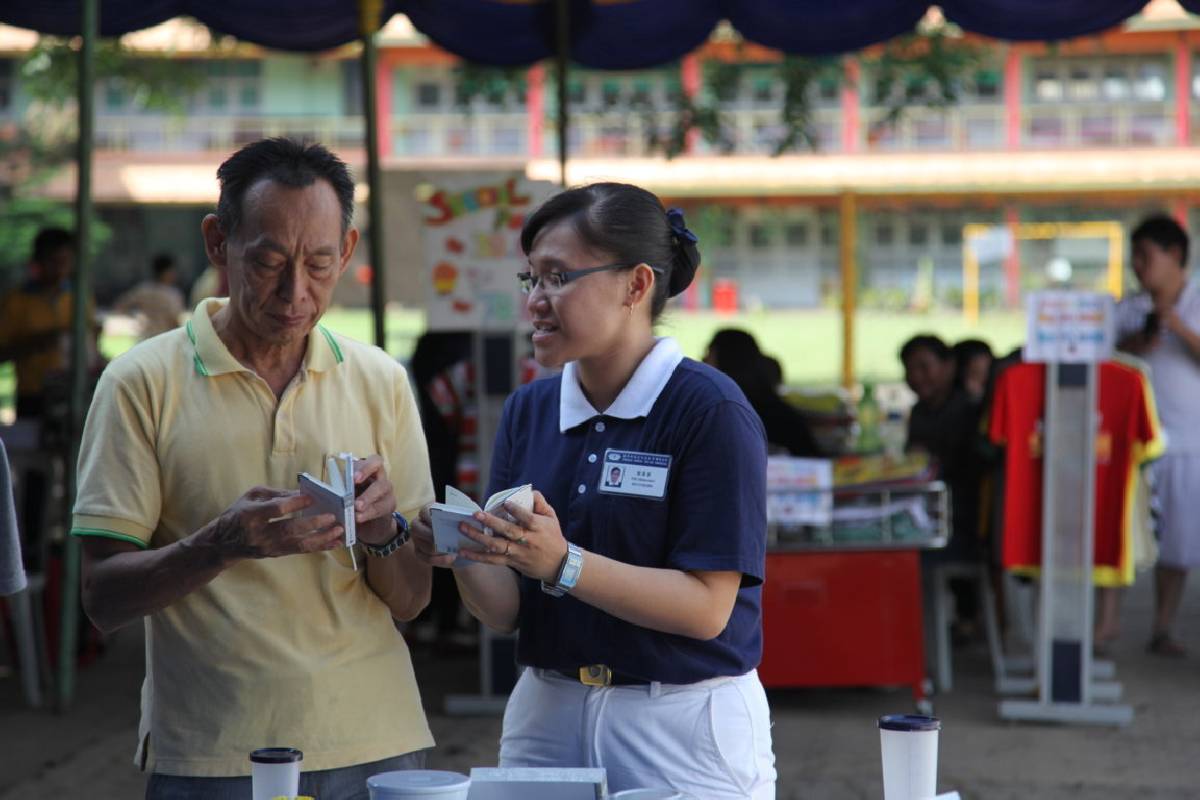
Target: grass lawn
(807, 343)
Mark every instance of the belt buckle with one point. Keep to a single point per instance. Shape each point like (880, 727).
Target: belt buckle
(596, 675)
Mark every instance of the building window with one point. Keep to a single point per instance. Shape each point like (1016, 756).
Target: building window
(760, 236)
(576, 93)
(987, 85)
(642, 94)
(884, 234)
(1151, 83)
(429, 95)
(1047, 87)
(951, 233)
(764, 91)
(1116, 84)
(352, 89)
(1081, 87)
(796, 234)
(610, 94)
(918, 234)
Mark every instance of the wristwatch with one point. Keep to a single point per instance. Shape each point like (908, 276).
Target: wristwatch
(395, 543)
(568, 573)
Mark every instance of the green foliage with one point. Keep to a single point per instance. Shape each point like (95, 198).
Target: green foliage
(492, 83)
(20, 220)
(50, 74)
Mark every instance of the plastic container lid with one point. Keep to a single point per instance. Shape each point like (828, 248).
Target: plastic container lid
(418, 782)
(909, 723)
(276, 755)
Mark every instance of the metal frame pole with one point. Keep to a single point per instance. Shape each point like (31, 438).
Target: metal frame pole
(848, 252)
(562, 49)
(81, 286)
(369, 19)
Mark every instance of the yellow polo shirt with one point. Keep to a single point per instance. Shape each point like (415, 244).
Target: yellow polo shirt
(294, 651)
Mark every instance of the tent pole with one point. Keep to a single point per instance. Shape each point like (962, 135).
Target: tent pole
(369, 14)
(82, 289)
(849, 263)
(562, 49)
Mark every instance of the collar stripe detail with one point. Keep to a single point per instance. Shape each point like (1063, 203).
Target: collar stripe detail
(333, 345)
(196, 360)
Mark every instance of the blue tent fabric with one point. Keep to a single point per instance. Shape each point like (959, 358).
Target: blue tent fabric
(822, 27)
(1038, 20)
(609, 34)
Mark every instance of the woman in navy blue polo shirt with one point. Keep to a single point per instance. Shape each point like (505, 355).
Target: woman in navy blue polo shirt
(635, 583)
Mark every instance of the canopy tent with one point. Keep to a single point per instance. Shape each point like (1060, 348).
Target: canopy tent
(604, 34)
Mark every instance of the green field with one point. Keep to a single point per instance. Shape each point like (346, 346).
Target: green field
(807, 343)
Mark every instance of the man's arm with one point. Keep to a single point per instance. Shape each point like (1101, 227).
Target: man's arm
(400, 580)
(122, 583)
(1175, 324)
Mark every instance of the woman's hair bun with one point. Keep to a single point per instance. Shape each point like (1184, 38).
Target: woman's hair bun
(687, 253)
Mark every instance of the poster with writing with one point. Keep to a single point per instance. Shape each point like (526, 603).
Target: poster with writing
(1069, 327)
(471, 229)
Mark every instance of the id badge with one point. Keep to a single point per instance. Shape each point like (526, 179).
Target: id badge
(634, 474)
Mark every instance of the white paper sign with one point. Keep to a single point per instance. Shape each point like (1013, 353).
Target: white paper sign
(799, 491)
(994, 244)
(1069, 327)
(471, 227)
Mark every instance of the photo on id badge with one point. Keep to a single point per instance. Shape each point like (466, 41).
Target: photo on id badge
(635, 474)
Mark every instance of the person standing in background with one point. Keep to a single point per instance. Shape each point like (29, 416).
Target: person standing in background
(1161, 324)
(157, 302)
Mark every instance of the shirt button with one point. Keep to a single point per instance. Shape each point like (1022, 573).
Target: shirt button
(591, 458)
(600, 426)
(582, 488)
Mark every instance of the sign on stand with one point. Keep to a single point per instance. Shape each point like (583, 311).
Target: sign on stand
(1071, 332)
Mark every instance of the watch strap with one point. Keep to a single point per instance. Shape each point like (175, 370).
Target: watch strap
(401, 538)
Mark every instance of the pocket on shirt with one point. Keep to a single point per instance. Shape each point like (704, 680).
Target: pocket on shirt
(633, 530)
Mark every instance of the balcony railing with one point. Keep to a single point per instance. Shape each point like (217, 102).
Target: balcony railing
(964, 127)
(193, 133)
(1100, 125)
(460, 134)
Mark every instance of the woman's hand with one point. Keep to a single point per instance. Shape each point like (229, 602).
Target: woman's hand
(533, 545)
(423, 544)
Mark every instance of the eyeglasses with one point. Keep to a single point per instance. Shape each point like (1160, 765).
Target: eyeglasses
(554, 281)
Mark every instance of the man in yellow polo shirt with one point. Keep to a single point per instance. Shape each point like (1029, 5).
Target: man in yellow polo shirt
(260, 631)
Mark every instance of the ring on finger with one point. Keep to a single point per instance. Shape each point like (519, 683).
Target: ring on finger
(507, 547)
(522, 540)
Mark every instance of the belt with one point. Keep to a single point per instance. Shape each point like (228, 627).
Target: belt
(600, 675)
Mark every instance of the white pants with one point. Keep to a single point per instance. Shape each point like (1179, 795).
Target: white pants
(709, 740)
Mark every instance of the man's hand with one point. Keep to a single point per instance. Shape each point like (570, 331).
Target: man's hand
(375, 503)
(1139, 344)
(253, 527)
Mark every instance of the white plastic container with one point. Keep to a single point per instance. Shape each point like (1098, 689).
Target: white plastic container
(406, 784)
(909, 745)
(275, 772)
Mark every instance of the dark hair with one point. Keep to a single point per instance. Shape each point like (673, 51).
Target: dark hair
(163, 262)
(50, 240)
(285, 161)
(1165, 232)
(736, 353)
(967, 349)
(926, 341)
(631, 224)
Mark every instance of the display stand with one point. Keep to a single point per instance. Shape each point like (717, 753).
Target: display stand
(1071, 333)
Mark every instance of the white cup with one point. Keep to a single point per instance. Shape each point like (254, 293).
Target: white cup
(275, 772)
(647, 794)
(424, 783)
(910, 748)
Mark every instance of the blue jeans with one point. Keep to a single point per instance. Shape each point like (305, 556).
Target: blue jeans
(344, 783)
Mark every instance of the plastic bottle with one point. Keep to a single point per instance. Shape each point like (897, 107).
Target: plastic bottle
(868, 421)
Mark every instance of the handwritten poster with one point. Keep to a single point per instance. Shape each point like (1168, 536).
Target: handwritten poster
(471, 228)
(1069, 327)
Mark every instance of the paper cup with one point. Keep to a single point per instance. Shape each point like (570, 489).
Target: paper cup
(910, 746)
(647, 794)
(405, 784)
(275, 772)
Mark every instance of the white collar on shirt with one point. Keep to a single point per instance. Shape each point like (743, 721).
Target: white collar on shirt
(635, 400)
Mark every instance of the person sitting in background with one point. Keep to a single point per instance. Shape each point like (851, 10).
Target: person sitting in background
(736, 353)
(973, 358)
(945, 423)
(157, 302)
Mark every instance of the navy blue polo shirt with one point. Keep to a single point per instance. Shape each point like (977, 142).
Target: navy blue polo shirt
(712, 517)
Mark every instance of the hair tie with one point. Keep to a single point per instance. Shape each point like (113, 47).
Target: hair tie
(688, 255)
